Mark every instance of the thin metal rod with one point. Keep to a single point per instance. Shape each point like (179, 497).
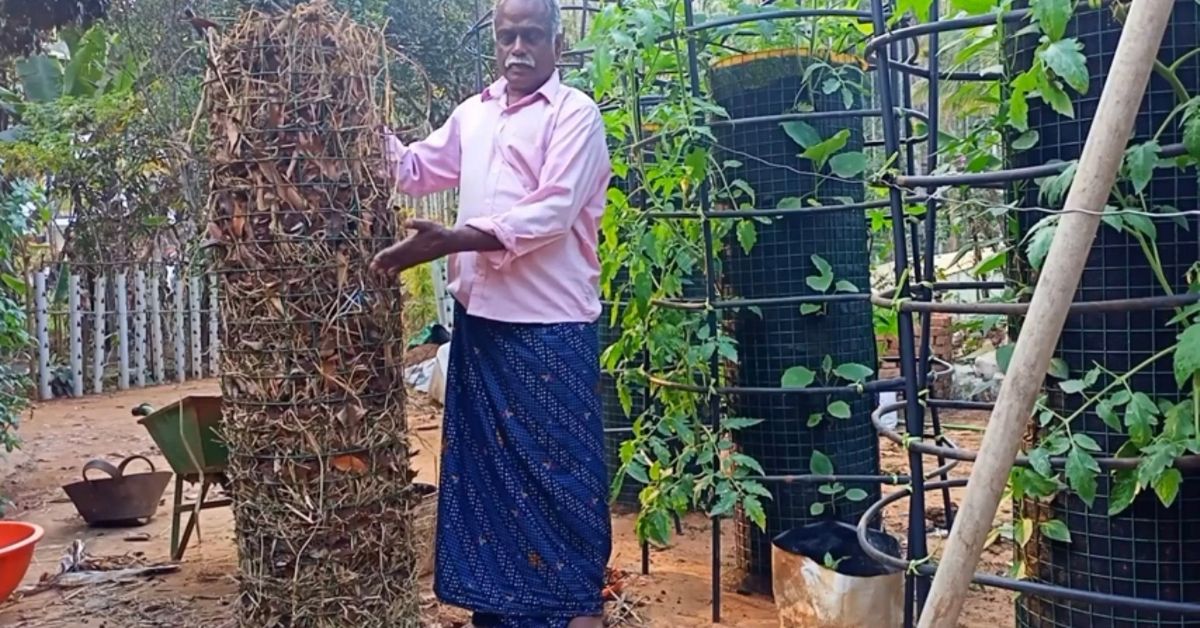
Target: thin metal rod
(931, 214)
(714, 400)
(891, 135)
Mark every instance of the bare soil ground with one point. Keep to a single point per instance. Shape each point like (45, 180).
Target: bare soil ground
(60, 436)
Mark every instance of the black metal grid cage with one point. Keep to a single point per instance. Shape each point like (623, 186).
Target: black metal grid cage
(788, 251)
(1143, 552)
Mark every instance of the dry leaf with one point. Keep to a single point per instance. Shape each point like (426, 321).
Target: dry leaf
(349, 464)
(232, 135)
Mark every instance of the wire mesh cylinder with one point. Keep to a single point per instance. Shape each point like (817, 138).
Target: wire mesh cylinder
(311, 370)
(1145, 551)
(772, 339)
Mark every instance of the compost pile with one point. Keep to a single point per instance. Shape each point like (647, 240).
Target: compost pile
(310, 358)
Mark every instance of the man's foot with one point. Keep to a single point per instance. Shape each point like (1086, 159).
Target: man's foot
(586, 622)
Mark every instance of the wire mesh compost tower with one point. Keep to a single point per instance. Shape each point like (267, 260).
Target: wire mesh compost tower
(311, 376)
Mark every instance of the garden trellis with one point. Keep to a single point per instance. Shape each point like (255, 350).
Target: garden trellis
(694, 207)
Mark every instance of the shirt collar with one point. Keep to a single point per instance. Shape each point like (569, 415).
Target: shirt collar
(549, 90)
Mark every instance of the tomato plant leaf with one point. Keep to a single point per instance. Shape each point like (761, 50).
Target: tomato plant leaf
(1140, 161)
(802, 133)
(820, 464)
(991, 264)
(1108, 414)
(726, 500)
(852, 372)
(1124, 491)
(1081, 474)
(1055, 530)
(1072, 386)
(1191, 135)
(1167, 486)
(856, 495)
(754, 511)
(739, 423)
(1059, 368)
(1004, 355)
(1039, 241)
(846, 286)
(1052, 16)
(1086, 442)
(1039, 459)
(798, 377)
(747, 235)
(848, 164)
(1026, 140)
(820, 152)
(748, 462)
(1065, 58)
(839, 410)
(1187, 355)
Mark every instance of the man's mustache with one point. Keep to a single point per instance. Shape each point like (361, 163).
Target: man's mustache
(519, 60)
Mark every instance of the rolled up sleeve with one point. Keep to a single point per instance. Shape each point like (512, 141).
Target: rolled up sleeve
(430, 165)
(576, 165)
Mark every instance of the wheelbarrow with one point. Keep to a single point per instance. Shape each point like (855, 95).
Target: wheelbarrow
(186, 433)
(120, 500)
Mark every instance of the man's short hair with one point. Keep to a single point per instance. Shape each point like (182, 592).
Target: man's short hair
(551, 6)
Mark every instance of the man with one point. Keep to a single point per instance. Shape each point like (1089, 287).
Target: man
(523, 524)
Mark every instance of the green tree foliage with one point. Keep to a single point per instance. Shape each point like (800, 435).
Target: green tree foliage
(27, 24)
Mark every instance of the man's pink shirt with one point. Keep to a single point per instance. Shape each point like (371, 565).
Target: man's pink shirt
(535, 175)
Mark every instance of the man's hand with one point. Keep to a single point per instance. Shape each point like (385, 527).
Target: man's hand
(429, 241)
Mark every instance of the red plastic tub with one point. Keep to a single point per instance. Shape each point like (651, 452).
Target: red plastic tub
(17, 540)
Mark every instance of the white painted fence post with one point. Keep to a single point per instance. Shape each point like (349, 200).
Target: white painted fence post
(42, 322)
(194, 300)
(156, 328)
(99, 300)
(214, 328)
(180, 330)
(122, 332)
(75, 321)
(139, 328)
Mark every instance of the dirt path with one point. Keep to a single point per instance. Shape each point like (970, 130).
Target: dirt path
(61, 435)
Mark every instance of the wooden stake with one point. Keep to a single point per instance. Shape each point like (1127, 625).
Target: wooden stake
(1056, 287)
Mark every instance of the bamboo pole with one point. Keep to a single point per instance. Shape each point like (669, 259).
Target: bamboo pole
(1056, 287)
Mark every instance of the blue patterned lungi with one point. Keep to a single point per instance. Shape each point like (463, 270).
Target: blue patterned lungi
(523, 534)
